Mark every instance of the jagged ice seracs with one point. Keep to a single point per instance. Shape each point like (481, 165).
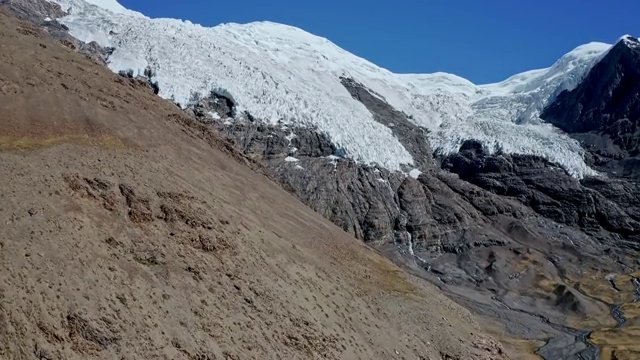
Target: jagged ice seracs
(287, 76)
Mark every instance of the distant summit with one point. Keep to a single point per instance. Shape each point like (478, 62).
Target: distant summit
(604, 110)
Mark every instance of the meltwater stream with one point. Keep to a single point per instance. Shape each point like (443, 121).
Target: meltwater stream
(570, 344)
(575, 344)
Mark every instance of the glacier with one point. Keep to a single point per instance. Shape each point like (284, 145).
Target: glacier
(284, 75)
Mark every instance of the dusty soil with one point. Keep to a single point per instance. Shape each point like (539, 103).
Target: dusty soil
(130, 232)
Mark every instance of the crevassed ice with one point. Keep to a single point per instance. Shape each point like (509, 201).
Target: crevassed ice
(277, 73)
(284, 75)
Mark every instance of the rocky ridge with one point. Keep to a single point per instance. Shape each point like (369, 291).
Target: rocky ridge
(603, 112)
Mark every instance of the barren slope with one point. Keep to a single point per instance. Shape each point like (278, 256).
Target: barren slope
(129, 232)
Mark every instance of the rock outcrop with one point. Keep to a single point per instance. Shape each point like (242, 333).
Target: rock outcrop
(551, 192)
(603, 112)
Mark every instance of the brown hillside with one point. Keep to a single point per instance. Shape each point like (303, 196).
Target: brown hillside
(129, 232)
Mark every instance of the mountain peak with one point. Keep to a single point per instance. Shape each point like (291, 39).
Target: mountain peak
(628, 37)
(605, 103)
(629, 41)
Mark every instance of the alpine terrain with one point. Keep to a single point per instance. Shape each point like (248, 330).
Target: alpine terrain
(140, 221)
(131, 231)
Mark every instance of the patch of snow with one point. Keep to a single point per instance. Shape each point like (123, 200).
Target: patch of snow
(442, 82)
(227, 122)
(48, 19)
(291, 159)
(291, 136)
(287, 76)
(214, 115)
(382, 180)
(411, 252)
(415, 173)
(299, 167)
(112, 6)
(334, 161)
(630, 41)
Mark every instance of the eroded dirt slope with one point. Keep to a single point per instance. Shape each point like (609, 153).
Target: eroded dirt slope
(129, 232)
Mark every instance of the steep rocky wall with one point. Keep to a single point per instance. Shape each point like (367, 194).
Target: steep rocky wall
(603, 112)
(381, 206)
(504, 233)
(552, 193)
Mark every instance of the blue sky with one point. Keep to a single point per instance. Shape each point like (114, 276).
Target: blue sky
(482, 40)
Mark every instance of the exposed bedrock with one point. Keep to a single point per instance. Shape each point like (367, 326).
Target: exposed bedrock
(603, 112)
(492, 228)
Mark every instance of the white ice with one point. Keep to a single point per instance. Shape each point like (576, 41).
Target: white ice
(287, 76)
(415, 173)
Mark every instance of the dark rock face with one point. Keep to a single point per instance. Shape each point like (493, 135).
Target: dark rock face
(412, 137)
(33, 10)
(213, 103)
(351, 196)
(371, 203)
(268, 142)
(550, 191)
(603, 112)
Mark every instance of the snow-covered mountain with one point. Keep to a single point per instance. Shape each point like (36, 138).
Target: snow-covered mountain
(282, 74)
